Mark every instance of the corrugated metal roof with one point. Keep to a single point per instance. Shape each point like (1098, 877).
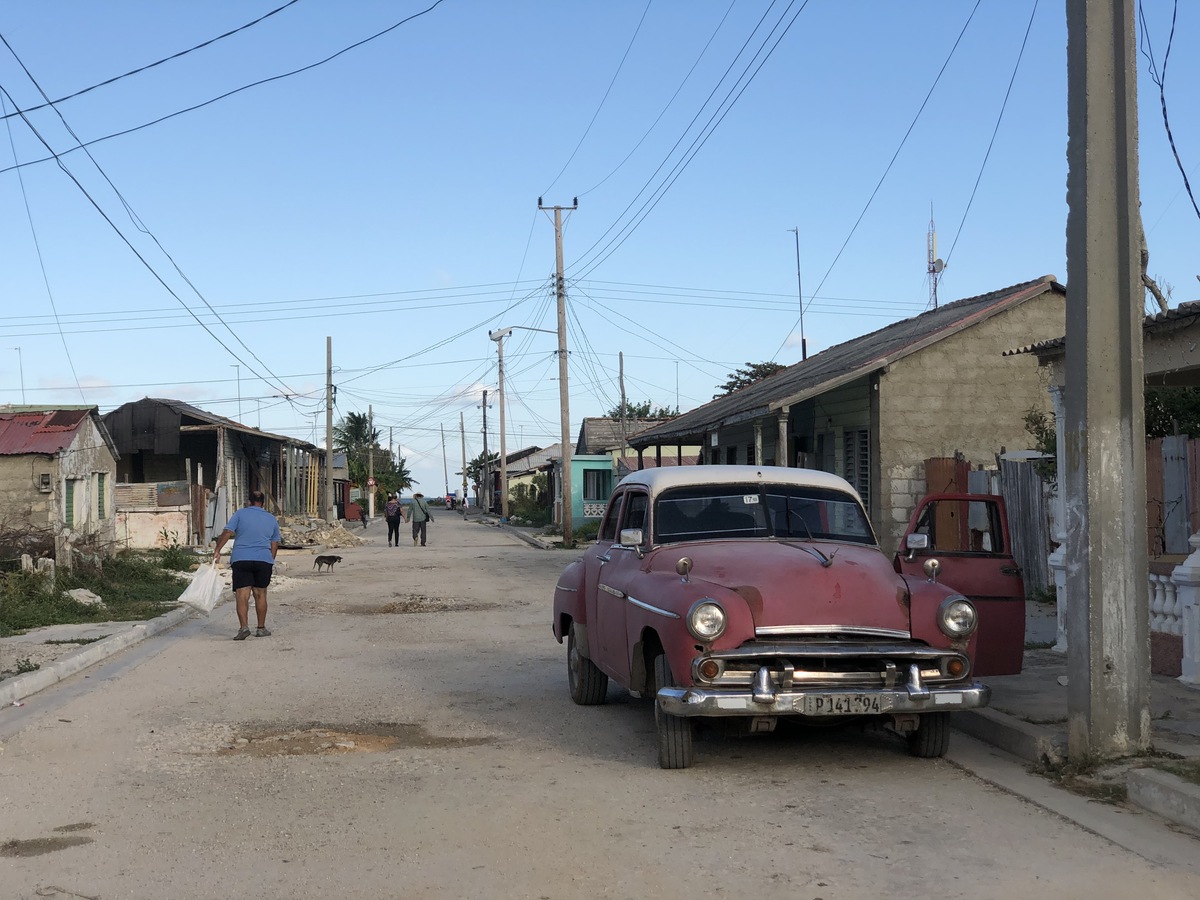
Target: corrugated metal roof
(44, 432)
(1178, 317)
(842, 363)
(599, 434)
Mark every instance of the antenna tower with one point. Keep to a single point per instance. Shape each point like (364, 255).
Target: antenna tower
(935, 265)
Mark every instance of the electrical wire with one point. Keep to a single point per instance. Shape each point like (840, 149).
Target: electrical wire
(238, 90)
(995, 130)
(138, 223)
(152, 65)
(888, 168)
(41, 260)
(616, 74)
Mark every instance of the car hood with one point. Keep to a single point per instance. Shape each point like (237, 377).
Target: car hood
(785, 583)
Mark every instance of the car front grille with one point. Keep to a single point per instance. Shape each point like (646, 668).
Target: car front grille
(830, 664)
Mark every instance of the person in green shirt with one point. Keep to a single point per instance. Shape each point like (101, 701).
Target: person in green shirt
(420, 518)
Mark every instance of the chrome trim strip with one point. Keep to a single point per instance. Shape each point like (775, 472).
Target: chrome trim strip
(698, 701)
(611, 590)
(566, 589)
(860, 630)
(653, 609)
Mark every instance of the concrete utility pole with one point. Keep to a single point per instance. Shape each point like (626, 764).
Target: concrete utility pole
(560, 290)
(370, 460)
(624, 404)
(499, 339)
(1108, 629)
(330, 511)
(486, 482)
(462, 430)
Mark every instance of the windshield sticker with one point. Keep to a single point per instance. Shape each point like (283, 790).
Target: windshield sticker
(750, 499)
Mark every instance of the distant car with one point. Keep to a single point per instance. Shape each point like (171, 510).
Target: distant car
(760, 593)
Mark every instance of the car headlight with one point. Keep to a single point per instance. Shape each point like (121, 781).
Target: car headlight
(957, 616)
(706, 620)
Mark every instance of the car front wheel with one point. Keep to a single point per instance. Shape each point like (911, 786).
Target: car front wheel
(588, 684)
(932, 737)
(674, 732)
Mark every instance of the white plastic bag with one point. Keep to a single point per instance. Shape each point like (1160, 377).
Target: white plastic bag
(204, 590)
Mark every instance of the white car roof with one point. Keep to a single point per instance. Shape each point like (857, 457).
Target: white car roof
(659, 479)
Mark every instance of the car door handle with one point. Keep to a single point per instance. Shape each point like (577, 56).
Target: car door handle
(1010, 570)
(603, 559)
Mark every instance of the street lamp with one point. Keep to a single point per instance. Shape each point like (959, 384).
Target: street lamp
(498, 336)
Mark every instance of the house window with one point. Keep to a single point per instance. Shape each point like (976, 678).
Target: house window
(71, 496)
(731, 456)
(857, 459)
(749, 454)
(99, 491)
(597, 484)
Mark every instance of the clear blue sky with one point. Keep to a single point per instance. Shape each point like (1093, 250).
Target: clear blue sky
(388, 198)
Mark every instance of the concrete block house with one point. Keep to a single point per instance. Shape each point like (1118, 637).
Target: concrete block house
(57, 474)
(875, 408)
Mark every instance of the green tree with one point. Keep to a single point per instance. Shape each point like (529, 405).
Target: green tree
(643, 410)
(354, 436)
(747, 375)
(475, 470)
(1172, 410)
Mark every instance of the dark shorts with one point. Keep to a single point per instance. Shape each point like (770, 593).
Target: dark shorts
(251, 573)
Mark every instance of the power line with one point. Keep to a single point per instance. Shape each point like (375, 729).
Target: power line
(152, 65)
(231, 93)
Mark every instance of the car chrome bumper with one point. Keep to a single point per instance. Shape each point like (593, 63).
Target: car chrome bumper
(699, 701)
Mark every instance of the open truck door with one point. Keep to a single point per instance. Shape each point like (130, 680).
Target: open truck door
(968, 535)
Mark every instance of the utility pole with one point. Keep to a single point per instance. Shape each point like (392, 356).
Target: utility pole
(370, 460)
(445, 465)
(621, 379)
(1108, 636)
(330, 511)
(486, 484)
(560, 290)
(800, 291)
(462, 430)
(503, 444)
(238, 372)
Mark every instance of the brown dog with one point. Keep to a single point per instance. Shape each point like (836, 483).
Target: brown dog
(325, 561)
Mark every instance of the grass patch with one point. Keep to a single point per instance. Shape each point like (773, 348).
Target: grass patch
(1187, 769)
(79, 641)
(1038, 645)
(132, 586)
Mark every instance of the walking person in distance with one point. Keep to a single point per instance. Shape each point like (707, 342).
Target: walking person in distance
(420, 518)
(256, 540)
(394, 513)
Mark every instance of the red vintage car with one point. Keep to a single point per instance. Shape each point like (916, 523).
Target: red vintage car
(760, 592)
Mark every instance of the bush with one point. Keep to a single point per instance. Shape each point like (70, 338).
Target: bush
(132, 587)
(587, 531)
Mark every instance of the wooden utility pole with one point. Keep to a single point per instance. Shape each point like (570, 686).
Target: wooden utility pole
(560, 290)
(1108, 629)
(330, 511)
(503, 443)
(445, 465)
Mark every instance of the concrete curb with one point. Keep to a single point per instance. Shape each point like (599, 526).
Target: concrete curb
(1032, 743)
(16, 688)
(527, 538)
(1166, 795)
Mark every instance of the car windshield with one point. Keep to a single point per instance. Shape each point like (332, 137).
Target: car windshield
(705, 512)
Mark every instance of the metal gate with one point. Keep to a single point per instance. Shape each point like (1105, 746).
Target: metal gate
(1029, 530)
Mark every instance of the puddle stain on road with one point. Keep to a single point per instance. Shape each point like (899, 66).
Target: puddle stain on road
(42, 846)
(321, 740)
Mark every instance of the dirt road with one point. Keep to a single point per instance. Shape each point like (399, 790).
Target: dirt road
(406, 732)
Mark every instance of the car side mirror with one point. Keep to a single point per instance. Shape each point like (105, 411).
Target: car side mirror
(913, 543)
(631, 537)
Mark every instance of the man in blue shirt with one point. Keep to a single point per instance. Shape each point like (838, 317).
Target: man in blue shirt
(256, 541)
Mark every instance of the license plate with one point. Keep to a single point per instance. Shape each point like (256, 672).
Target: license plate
(844, 704)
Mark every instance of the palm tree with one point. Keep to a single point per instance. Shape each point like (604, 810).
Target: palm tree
(354, 436)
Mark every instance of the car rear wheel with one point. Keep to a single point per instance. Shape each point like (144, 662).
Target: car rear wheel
(588, 684)
(932, 737)
(674, 732)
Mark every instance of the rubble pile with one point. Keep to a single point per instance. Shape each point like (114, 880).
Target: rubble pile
(307, 531)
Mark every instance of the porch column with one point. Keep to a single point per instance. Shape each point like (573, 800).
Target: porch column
(1187, 592)
(758, 457)
(1058, 559)
(782, 456)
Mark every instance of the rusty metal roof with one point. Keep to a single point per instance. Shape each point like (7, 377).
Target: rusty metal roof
(41, 431)
(841, 363)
